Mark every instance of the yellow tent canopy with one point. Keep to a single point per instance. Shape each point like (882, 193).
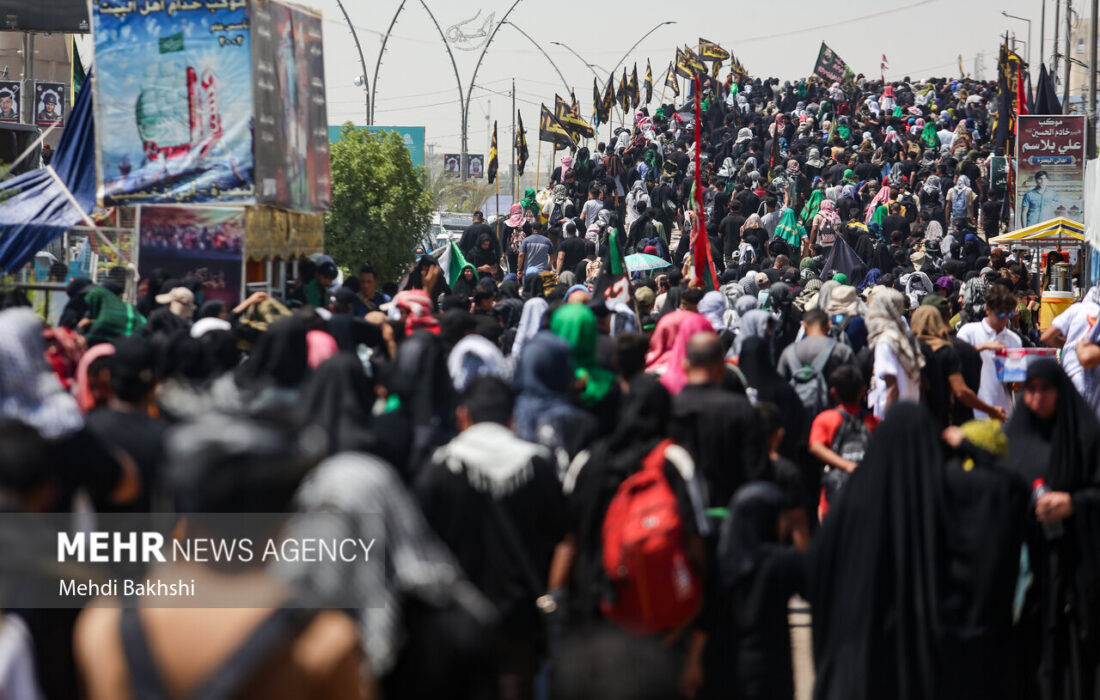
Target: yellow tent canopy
(1056, 232)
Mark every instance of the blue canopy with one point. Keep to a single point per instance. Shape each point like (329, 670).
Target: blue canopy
(34, 207)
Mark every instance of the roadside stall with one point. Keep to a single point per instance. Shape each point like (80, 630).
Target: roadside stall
(1066, 237)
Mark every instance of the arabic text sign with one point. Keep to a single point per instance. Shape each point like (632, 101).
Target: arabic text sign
(173, 100)
(1050, 157)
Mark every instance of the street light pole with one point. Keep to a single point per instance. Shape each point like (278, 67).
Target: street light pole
(631, 49)
(1023, 19)
(591, 66)
(545, 55)
(378, 63)
(362, 62)
(464, 97)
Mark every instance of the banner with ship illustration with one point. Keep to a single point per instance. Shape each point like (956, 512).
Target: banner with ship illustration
(173, 100)
(292, 138)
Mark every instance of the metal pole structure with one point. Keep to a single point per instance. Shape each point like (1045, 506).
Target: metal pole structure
(1042, 33)
(1065, 83)
(1092, 81)
(1023, 19)
(473, 79)
(631, 49)
(1057, 17)
(545, 55)
(27, 94)
(591, 66)
(513, 186)
(378, 63)
(362, 61)
(464, 97)
(458, 80)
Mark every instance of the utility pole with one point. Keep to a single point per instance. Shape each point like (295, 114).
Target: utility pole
(1042, 32)
(1057, 24)
(1065, 84)
(1092, 81)
(27, 93)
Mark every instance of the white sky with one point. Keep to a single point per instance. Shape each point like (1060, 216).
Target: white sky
(416, 85)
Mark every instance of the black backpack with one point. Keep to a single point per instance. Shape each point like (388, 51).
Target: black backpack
(808, 381)
(850, 442)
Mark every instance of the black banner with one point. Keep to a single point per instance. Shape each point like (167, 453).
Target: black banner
(49, 16)
(291, 127)
(830, 66)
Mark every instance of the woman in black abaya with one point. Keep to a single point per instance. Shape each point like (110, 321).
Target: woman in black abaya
(756, 364)
(1053, 435)
(908, 601)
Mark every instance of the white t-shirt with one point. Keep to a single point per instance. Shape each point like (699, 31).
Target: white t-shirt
(887, 365)
(591, 210)
(1075, 323)
(990, 390)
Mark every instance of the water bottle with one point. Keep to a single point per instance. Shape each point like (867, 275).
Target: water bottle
(1038, 490)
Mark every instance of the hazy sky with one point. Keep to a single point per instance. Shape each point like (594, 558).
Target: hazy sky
(416, 85)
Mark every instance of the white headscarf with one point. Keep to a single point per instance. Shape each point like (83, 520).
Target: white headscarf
(29, 390)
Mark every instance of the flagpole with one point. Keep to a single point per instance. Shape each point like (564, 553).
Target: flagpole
(513, 145)
(538, 165)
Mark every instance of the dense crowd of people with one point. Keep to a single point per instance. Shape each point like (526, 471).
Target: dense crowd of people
(585, 498)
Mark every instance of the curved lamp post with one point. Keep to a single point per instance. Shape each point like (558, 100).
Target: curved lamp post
(464, 95)
(545, 55)
(362, 62)
(378, 63)
(631, 49)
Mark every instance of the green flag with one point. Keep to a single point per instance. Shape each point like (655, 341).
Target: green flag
(171, 43)
(452, 262)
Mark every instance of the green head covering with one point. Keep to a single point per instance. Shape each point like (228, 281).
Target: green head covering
(849, 176)
(813, 203)
(789, 229)
(576, 325)
(840, 277)
(529, 200)
(807, 262)
(929, 136)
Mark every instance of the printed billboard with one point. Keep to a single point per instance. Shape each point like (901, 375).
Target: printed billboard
(173, 99)
(1050, 161)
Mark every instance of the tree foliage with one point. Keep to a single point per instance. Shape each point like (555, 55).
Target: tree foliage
(380, 206)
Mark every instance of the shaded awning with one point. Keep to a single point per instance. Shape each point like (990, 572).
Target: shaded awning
(1056, 232)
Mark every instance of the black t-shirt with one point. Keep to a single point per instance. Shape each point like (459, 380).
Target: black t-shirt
(573, 247)
(749, 201)
(730, 228)
(894, 222)
(85, 463)
(939, 366)
(140, 437)
(970, 364)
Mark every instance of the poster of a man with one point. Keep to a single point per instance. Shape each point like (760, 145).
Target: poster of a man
(49, 104)
(9, 101)
(1039, 199)
(450, 164)
(477, 165)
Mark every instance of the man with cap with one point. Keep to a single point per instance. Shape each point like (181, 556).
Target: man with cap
(180, 301)
(49, 112)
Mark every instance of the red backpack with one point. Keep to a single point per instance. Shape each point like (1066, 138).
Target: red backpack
(656, 586)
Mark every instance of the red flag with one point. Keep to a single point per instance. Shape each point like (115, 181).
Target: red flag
(701, 258)
(1021, 96)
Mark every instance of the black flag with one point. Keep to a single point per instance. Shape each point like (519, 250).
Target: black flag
(521, 145)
